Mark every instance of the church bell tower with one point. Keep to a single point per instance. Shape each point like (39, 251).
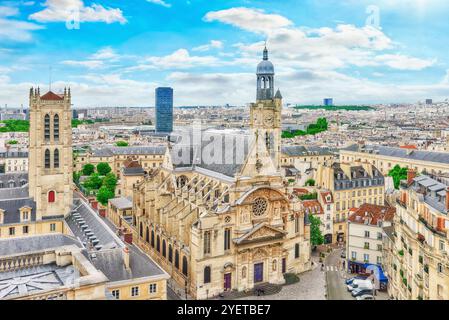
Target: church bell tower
(265, 114)
(50, 153)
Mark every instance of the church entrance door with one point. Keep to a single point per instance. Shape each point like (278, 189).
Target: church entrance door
(258, 272)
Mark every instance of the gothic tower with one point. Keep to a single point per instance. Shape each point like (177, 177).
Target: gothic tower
(50, 153)
(265, 114)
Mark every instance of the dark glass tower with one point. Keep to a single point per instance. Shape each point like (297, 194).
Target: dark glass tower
(164, 109)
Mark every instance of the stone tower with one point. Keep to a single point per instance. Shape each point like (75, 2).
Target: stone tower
(265, 114)
(50, 153)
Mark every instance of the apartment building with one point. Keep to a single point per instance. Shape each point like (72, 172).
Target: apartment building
(416, 250)
(385, 158)
(351, 186)
(364, 241)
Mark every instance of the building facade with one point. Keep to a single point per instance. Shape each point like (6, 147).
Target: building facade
(164, 109)
(416, 250)
(217, 227)
(351, 186)
(364, 243)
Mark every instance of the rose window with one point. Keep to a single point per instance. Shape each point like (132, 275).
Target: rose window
(260, 206)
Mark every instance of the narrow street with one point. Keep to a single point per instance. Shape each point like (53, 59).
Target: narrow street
(335, 277)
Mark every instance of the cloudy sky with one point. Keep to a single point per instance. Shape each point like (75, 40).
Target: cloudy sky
(115, 52)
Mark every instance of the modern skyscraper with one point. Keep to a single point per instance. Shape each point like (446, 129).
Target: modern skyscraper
(164, 109)
(328, 102)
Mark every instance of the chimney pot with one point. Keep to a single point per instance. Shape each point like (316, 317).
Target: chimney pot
(411, 174)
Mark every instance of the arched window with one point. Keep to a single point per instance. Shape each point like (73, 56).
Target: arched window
(47, 159)
(141, 230)
(164, 249)
(12, 184)
(47, 127)
(170, 253)
(275, 263)
(158, 244)
(51, 197)
(147, 235)
(184, 266)
(56, 158)
(152, 238)
(56, 127)
(207, 274)
(176, 259)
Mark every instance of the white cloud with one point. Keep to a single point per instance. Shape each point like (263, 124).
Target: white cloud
(160, 2)
(213, 44)
(180, 59)
(15, 30)
(68, 10)
(105, 54)
(403, 62)
(91, 64)
(254, 20)
(320, 48)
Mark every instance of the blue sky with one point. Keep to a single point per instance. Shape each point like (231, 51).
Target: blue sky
(115, 52)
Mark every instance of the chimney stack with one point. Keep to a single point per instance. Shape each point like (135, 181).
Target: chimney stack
(447, 198)
(126, 258)
(411, 174)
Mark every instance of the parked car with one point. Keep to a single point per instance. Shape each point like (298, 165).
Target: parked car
(360, 292)
(362, 284)
(349, 281)
(365, 297)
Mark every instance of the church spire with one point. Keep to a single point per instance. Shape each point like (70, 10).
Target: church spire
(265, 53)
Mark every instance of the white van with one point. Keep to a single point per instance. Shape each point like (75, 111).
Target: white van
(361, 284)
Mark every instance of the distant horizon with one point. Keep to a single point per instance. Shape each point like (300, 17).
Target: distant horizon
(117, 53)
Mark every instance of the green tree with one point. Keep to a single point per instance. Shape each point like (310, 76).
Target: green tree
(103, 168)
(121, 144)
(104, 194)
(15, 126)
(88, 169)
(309, 196)
(76, 177)
(398, 174)
(94, 182)
(315, 233)
(110, 181)
(310, 183)
(12, 142)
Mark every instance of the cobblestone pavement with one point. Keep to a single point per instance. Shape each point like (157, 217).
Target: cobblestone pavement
(311, 286)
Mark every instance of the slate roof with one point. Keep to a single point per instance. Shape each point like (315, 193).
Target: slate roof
(18, 179)
(35, 243)
(132, 150)
(231, 162)
(133, 171)
(431, 156)
(14, 154)
(122, 203)
(297, 151)
(100, 230)
(14, 193)
(110, 262)
(11, 209)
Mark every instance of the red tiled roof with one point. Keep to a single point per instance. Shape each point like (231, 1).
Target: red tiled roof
(411, 147)
(324, 194)
(312, 206)
(300, 191)
(373, 213)
(52, 96)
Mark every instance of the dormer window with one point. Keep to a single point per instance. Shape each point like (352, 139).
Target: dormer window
(25, 214)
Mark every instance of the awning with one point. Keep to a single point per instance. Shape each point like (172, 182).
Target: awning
(379, 274)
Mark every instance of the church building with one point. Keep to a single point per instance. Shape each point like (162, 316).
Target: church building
(227, 224)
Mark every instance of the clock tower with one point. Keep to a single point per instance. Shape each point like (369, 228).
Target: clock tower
(265, 114)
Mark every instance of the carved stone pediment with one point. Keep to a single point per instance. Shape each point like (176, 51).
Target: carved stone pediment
(260, 233)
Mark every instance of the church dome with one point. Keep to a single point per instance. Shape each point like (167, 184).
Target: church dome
(265, 66)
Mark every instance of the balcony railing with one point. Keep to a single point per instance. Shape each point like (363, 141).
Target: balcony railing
(20, 262)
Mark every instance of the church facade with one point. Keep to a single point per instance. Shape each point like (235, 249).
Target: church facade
(228, 224)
